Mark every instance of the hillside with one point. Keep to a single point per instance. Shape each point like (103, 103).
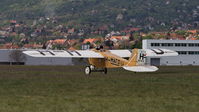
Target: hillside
(117, 14)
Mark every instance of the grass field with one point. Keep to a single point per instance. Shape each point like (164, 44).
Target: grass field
(67, 89)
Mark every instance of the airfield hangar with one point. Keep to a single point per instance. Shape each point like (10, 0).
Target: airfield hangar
(188, 51)
(15, 57)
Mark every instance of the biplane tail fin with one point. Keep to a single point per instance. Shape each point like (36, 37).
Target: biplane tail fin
(138, 58)
(137, 62)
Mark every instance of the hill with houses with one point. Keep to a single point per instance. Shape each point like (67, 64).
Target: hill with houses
(77, 24)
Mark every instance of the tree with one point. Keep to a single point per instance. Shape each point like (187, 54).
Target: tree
(17, 56)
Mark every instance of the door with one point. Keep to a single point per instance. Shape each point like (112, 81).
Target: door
(155, 61)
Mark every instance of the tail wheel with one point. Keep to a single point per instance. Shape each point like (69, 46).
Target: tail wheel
(105, 71)
(92, 67)
(87, 70)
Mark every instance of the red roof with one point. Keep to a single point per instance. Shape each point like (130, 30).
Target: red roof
(120, 37)
(193, 38)
(13, 21)
(57, 41)
(176, 36)
(90, 40)
(9, 46)
(33, 46)
(117, 37)
(72, 48)
(193, 31)
(71, 30)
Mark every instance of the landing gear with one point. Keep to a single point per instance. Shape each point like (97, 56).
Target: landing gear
(105, 71)
(88, 70)
(92, 68)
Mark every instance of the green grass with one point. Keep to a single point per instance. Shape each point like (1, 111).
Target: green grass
(67, 89)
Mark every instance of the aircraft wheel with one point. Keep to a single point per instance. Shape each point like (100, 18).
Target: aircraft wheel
(105, 71)
(87, 70)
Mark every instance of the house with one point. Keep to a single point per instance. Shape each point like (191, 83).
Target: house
(175, 36)
(119, 38)
(90, 40)
(59, 41)
(72, 42)
(49, 44)
(9, 46)
(33, 46)
(3, 33)
(13, 22)
(71, 31)
(193, 31)
(93, 42)
(72, 49)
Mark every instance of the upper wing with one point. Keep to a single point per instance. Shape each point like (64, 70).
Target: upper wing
(160, 52)
(75, 54)
(64, 54)
(93, 54)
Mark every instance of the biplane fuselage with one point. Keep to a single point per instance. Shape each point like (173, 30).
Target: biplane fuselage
(110, 60)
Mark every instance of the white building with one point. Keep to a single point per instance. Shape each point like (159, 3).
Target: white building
(188, 51)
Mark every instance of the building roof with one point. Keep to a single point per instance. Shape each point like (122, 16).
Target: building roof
(9, 46)
(71, 30)
(57, 41)
(120, 37)
(72, 42)
(90, 40)
(33, 46)
(193, 31)
(72, 49)
(193, 38)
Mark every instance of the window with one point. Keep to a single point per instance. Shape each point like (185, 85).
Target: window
(183, 44)
(182, 52)
(197, 52)
(167, 44)
(188, 52)
(191, 52)
(164, 44)
(170, 44)
(197, 44)
(177, 44)
(191, 45)
(155, 44)
(180, 44)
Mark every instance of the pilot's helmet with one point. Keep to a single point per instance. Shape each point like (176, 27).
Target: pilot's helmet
(97, 48)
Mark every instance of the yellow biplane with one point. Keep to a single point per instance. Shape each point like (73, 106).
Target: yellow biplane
(100, 59)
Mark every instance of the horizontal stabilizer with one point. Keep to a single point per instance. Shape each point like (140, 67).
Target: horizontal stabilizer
(141, 68)
(160, 52)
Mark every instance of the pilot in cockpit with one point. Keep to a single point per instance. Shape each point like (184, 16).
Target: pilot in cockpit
(100, 48)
